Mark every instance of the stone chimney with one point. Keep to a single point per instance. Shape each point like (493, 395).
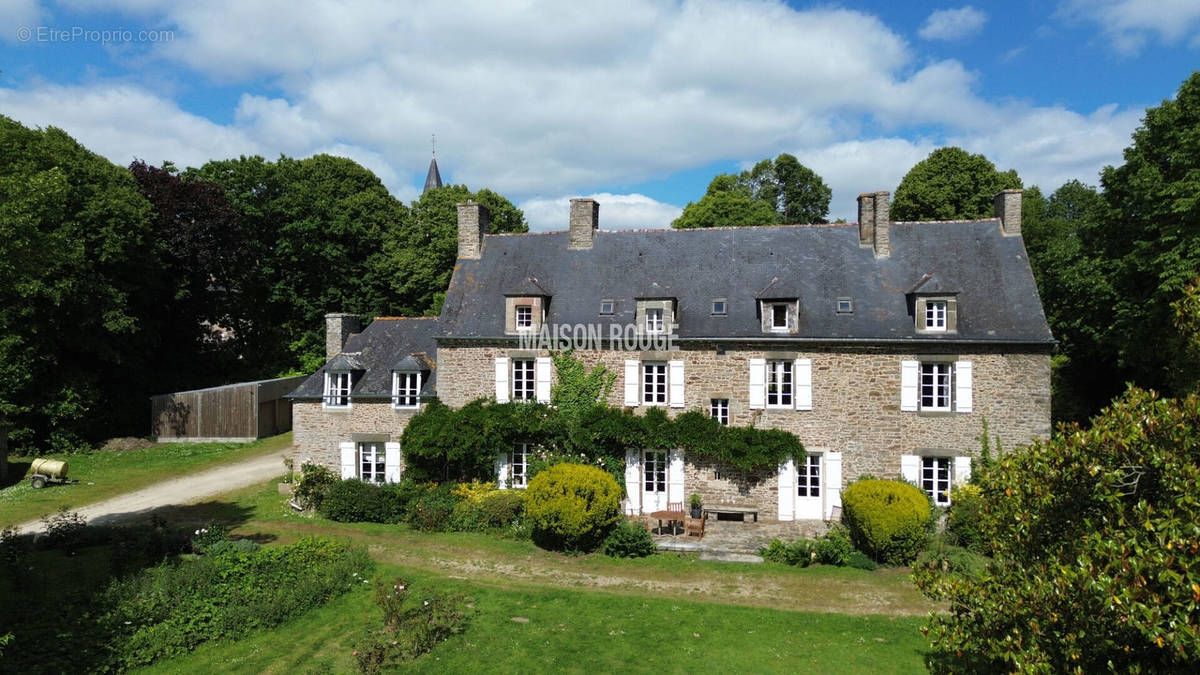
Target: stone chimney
(874, 222)
(866, 219)
(1007, 204)
(585, 218)
(473, 223)
(338, 329)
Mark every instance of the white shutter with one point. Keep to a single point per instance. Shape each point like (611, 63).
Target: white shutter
(631, 382)
(675, 477)
(908, 385)
(675, 380)
(910, 468)
(963, 400)
(501, 379)
(787, 490)
(832, 482)
(633, 481)
(391, 458)
(502, 470)
(758, 383)
(542, 379)
(803, 372)
(962, 470)
(349, 460)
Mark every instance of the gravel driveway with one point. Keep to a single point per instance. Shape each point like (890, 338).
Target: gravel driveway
(184, 490)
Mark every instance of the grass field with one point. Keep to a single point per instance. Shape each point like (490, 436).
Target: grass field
(106, 474)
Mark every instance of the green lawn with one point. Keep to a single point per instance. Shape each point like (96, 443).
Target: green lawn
(107, 474)
(578, 631)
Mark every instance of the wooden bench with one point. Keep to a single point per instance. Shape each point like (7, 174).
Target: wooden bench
(732, 509)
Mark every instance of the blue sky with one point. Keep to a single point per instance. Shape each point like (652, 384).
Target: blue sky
(636, 103)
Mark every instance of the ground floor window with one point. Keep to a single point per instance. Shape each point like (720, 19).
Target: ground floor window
(518, 466)
(808, 476)
(655, 463)
(719, 410)
(935, 479)
(372, 462)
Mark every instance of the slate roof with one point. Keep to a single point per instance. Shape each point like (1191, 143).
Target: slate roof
(384, 344)
(997, 298)
(433, 179)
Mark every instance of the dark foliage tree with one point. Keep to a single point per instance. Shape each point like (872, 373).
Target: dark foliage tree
(779, 191)
(950, 184)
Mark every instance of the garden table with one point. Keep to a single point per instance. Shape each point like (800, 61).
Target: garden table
(671, 517)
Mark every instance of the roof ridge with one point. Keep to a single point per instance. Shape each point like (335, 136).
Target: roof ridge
(940, 222)
(406, 318)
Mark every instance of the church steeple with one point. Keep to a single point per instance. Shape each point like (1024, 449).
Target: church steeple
(433, 179)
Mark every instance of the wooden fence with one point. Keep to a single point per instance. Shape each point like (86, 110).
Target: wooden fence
(243, 411)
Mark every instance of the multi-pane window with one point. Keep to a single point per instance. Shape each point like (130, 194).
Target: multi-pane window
(935, 386)
(522, 380)
(337, 390)
(518, 466)
(372, 462)
(654, 383)
(935, 479)
(406, 390)
(808, 476)
(654, 320)
(779, 317)
(655, 470)
(779, 384)
(524, 317)
(935, 315)
(719, 410)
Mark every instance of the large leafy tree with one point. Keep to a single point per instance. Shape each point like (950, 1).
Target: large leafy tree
(773, 192)
(1096, 552)
(951, 184)
(74, 258)
(1152, 240)
(419, 257)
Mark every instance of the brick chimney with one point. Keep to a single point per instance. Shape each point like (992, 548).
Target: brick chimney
(874, 222)
(1007, 204)
(585, 218)
(338, 329)
(473, 223)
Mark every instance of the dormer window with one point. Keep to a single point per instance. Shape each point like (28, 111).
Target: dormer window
(654, 320)
(406, 389)
(524, 317)
(719, 306)
(337, 390)
(845, 306)
(779, 317)
(606, 306)
(935, 315)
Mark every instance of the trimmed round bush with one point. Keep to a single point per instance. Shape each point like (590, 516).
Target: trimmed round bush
(628, 540)
(886, 519)
(572, 507)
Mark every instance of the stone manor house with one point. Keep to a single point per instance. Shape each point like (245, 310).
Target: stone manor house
(882, 345)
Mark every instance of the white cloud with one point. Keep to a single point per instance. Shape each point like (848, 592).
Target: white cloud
(953, 24)
(617, 212)
(1130, 24)
(19, 20)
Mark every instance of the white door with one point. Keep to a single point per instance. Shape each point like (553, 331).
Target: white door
(654, 481)
(809, 488)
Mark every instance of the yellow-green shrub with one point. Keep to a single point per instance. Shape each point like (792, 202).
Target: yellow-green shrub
(887, 519)
(572, 506)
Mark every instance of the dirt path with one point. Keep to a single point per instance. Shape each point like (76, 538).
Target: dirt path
(184, 490)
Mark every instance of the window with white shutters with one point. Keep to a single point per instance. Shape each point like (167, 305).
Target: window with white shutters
(808, 476)
(654, 383)
(935, 386)
(372, 462)
(523, 379)
(935, 479)
(779, 384)
(654, 466)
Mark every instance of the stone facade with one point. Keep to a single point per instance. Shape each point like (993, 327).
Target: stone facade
(317, 430)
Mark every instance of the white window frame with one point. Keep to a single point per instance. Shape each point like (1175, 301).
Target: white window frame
(845, 306)
(781, 383)
(654, 320)
(720, 307)
(935, 384)
(337, 390)
(718, 409)
(372, 462)
(607, 307)
(655, 386)
(518, 466)
(523, 379)
(654, 471)
(406, 389)
(787, 316)
(937, 476)
(808, 476)
(936, 312)
(523, 317)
